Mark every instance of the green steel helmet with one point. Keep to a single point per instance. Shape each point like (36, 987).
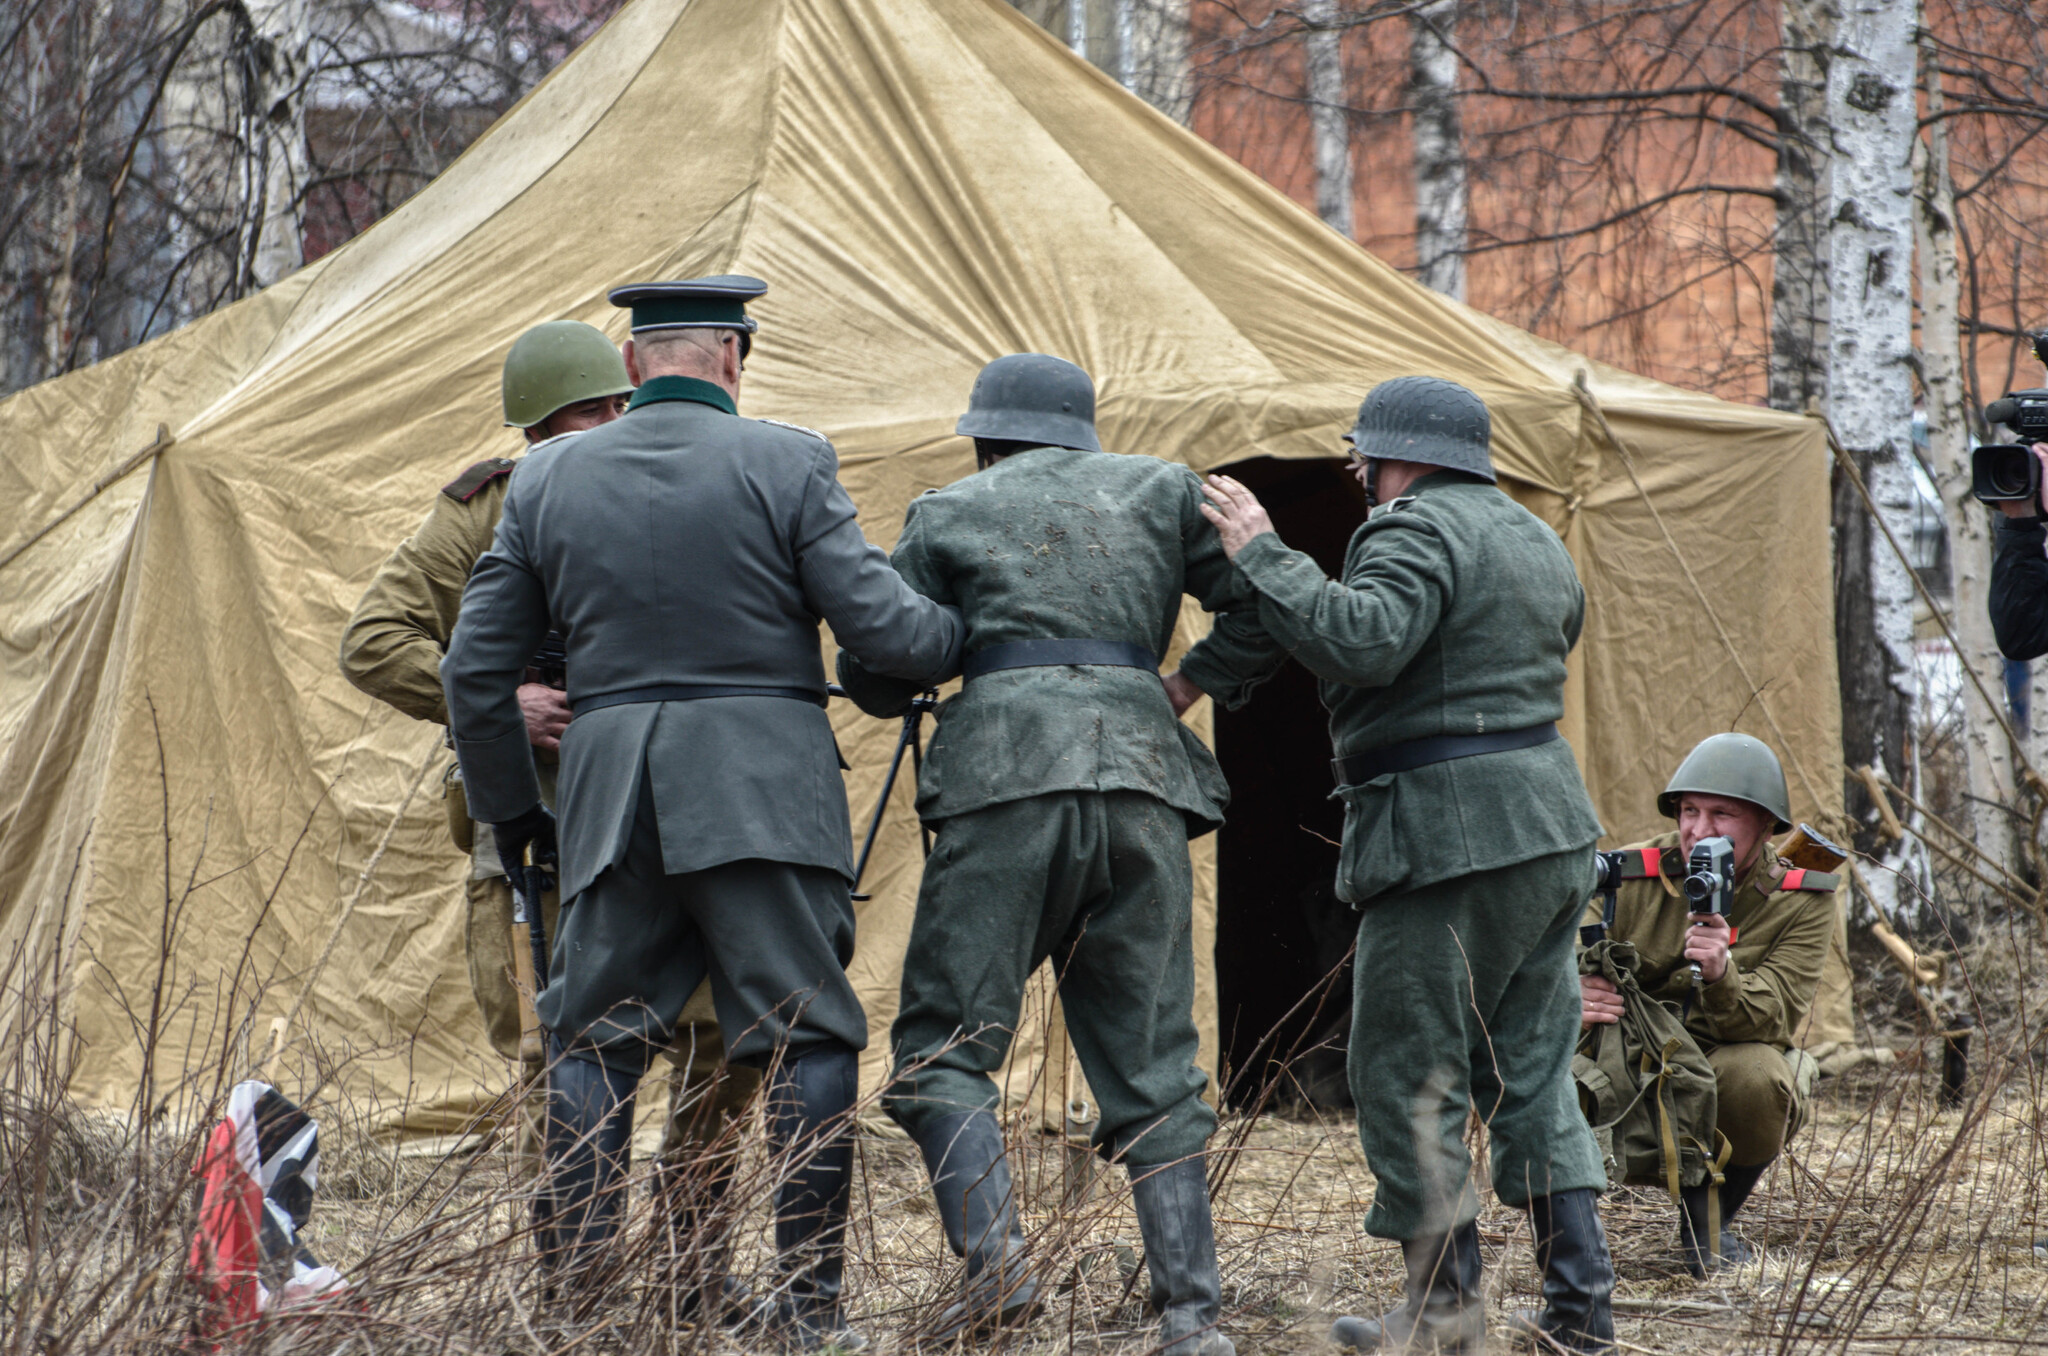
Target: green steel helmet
(1732, 765)
(1032, 398)
(1426, 419)
(557, 364)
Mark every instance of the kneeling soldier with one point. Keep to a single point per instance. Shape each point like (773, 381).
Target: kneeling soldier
(1063, 792)
(1759, 966)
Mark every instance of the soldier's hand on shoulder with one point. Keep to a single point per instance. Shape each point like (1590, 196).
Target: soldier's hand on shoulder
(1599, 1001)
(1236, 512)
(547, 714)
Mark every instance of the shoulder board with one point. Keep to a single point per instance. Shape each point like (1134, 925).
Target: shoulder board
(798, 427)
(464, 487)
(1798, 878)
(1637, 863)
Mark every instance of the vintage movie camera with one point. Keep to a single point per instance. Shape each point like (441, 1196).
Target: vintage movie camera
(2010, 471)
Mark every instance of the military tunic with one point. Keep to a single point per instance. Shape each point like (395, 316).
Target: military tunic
(392, 650)
(1455, 615)
(687, 557)
(1743, 1021)
(1063, 796)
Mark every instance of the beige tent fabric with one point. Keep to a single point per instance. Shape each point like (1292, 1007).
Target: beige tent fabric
(926, 184)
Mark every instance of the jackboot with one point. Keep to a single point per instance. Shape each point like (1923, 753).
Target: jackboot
(1180, 1252)
(1578, 1275)
(971, 1184)
(810, 1121)
(589, 1140)
(1444, 1311)
(1737, 1183)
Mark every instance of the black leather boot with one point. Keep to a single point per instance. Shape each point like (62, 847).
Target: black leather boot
(1180, 1251)
(971, 1184)
(589, 1140)
(810, 1103)
(1444, 1311)
(1578, 1275)
(1737, 1183)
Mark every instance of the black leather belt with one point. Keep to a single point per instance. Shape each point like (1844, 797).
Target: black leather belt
(688, 692)
(1038, 654)
(1357, 768)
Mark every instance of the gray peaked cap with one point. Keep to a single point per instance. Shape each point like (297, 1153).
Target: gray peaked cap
(1032, 398)
(1426, 419)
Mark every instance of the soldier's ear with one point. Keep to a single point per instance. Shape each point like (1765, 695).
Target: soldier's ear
(632, 353)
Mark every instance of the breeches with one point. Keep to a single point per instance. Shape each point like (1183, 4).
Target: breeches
(1756, 1099)
(1466, 995)
(773, 939)
(1099, 884)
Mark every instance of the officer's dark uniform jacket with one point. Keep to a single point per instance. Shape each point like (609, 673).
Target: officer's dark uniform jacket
(687, 556)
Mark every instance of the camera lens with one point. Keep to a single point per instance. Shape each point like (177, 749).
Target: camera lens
(1699, 889)
(2010, 471)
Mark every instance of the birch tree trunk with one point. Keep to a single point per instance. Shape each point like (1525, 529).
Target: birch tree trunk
(1988, 755)
(1155, 54)
(1871, 109)
(1799, 268)
(1329, 113)
(1440, 190)
(274, 139)
(84, 65)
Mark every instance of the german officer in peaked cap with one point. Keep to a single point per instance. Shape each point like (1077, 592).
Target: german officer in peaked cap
(687, 557)
(1063, 794)
(1467, 837)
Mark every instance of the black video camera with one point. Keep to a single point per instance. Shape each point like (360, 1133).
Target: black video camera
(2003, 472)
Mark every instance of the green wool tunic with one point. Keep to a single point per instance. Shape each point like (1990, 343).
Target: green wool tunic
(1455, 615)
(1063, 796)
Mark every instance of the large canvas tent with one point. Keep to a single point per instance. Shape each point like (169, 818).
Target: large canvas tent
(926, 184)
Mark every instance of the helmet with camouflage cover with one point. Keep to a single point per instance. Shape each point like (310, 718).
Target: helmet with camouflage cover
(1426, 419)
(562, 362)
(1732, 765)
(1032, 398)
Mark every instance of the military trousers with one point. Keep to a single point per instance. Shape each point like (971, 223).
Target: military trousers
(1756, 1099)
(773, 938)
(1098, 883)
(1465, 997)
(703, 1091)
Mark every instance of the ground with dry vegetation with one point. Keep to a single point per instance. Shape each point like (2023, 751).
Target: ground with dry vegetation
(1889, 1227)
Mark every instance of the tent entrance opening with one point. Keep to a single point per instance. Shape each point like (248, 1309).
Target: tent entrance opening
(1283, 984)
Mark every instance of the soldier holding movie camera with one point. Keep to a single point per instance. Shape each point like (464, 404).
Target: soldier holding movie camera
(1742, 969)
(2008, 476)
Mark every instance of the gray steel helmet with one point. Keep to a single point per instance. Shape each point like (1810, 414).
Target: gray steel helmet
(1731, 765)
(1426, 419)
(1032, 398)
(561, 362)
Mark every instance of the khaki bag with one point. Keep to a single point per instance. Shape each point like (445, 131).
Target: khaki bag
(456, 801)
(1647, 1089)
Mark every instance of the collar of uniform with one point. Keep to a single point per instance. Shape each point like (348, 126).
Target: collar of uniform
(656, 389)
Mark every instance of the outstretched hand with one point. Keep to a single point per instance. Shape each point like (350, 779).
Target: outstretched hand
(1236, 512)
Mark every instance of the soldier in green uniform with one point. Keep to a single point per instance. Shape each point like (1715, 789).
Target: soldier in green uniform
(1467, 837)
(560, 378)
(687, 556)
(1759, 967)
(1062, 792)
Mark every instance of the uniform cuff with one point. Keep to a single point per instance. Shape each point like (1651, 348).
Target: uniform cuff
(1725, 993)
(498, 776)
(1260, 556)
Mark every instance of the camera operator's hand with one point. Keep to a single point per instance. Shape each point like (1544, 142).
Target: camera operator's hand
(1181, 691)
(2013, 508)
(536, 828)
(1599, 1001)
(547, 714)
(1707, 945)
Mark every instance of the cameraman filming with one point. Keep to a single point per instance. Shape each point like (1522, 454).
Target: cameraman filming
(1758, 968)
(2019, 573)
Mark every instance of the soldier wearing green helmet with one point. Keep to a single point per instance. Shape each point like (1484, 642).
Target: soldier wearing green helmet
(1760, 966)
(560, 378)
(1442, 652)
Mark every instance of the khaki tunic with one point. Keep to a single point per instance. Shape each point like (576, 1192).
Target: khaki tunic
(1745, 1020)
